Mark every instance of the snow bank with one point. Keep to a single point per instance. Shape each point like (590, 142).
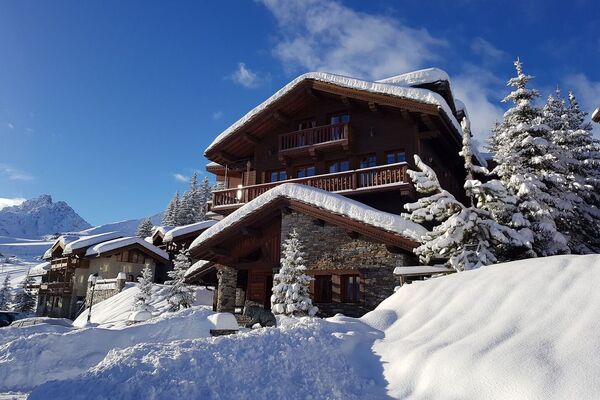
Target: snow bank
(332, 202)
(185, 229)
(110, 245)
(300, 359)
(520, 330)
(28, 361)
(114, 311)
(419, 95)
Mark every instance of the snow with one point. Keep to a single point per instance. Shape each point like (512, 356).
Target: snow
(224, 321)
(506, 331)
(40, 269)
(421, 270)
(196, 266)
(139, 316)
(420, 77)
(331, 202)
(87, 241)
(185, 229)
(126, 227)
(420, 95)
(110, 245)
(114, 311)
(596, 115)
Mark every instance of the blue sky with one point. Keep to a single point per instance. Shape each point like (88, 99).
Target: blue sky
(109, 105)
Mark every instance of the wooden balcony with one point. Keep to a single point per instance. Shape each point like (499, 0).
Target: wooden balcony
(63, 262)
(56, 288)
(309, 141)
(355, 181)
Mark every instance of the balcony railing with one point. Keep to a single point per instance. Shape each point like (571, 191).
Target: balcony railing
(63, 262)
(313, 137)
(365, 179)
(55, 287)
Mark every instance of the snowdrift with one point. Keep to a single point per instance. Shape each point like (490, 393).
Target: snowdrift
(520, 330)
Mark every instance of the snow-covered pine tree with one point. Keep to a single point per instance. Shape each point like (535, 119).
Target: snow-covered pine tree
(180, 294)
(5, 293)
(186, 213)
(25, 299)
(204, 196)
(290, 286)
(144, 229)
(529, 165)
(170, 215)
(144, 296)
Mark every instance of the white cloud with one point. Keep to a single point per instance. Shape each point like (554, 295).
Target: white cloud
(181, 178)
(217, 115)
(487, 51)
(481, 91)
(14, 174)
(245, 77)
(9, 202)
(327, 36)
(11, 126)
(587, 93)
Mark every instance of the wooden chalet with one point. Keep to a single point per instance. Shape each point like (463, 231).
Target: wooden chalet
(596, 115)
(350, 139)
(63, 288)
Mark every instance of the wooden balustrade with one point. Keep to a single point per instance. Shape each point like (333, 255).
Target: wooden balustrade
(63, 262)
(364, 179)
(314, 136)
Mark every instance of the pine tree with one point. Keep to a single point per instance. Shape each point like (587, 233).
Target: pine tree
(144, 296)
(467, 237)
(180, 294)
(5, 293)
(144, 229)
(530, 166)
(25, 300)
(290, 285)
(170, 216)
(185, 213)
(204, 196)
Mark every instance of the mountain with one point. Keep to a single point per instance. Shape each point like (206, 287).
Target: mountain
(39, 216)
(127, 227)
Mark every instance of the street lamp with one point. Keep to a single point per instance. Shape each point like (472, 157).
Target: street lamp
(92, 282)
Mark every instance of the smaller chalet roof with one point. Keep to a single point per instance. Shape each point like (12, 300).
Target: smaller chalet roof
(87, 241)
(187, 229)
(61, 241)
(197, 267)
(331, 202)
(596, 115)
(114, 244)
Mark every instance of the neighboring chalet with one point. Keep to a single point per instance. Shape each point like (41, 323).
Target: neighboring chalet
(596, 115)
(343, 146)
(181, 237)
(63, 288)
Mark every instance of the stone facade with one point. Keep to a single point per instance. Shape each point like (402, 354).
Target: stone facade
(329, 248)
(226, 288)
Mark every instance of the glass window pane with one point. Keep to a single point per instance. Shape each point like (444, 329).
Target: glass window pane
(401, 156)
(344, 165)
(391, 158)
(301, 173)
(333, 168)
(274, 176)
(345, 118)
(282, 175)
(310, 171)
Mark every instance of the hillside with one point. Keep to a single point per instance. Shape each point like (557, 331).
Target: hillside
(520, 330)
(38, 217)
(127, 227)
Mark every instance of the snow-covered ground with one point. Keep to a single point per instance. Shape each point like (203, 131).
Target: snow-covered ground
(25, 249)
(521, 330)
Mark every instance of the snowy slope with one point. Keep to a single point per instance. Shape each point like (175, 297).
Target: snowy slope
(520, 330)
(40, 216)
(25, 249)
(127, 227)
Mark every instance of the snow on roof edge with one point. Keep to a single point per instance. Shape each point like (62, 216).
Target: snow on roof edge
(185, 229)
(87, 241)
(419, 77)
(332, 202)
(421, 95)
(109, 245)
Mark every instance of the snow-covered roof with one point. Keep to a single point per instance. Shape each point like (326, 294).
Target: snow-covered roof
(198, 265)
(420, 77)
(62, 241)
(596, 115)
(40, 269)
(87, 241)
(185, 229)
(110, 245)
(391, 89)
(334, 203)
(213, 164)
(422, 270)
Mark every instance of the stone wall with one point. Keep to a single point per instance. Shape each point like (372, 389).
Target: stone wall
(104, 289)
(330, 248)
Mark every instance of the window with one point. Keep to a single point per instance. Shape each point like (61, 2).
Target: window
(308, 123)
(136, 257)
(323, 288)
(277, 176)
(339, 166)
(393, 157)
(305, 171)
(338, 119)
(350, 288)
(368, 160)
